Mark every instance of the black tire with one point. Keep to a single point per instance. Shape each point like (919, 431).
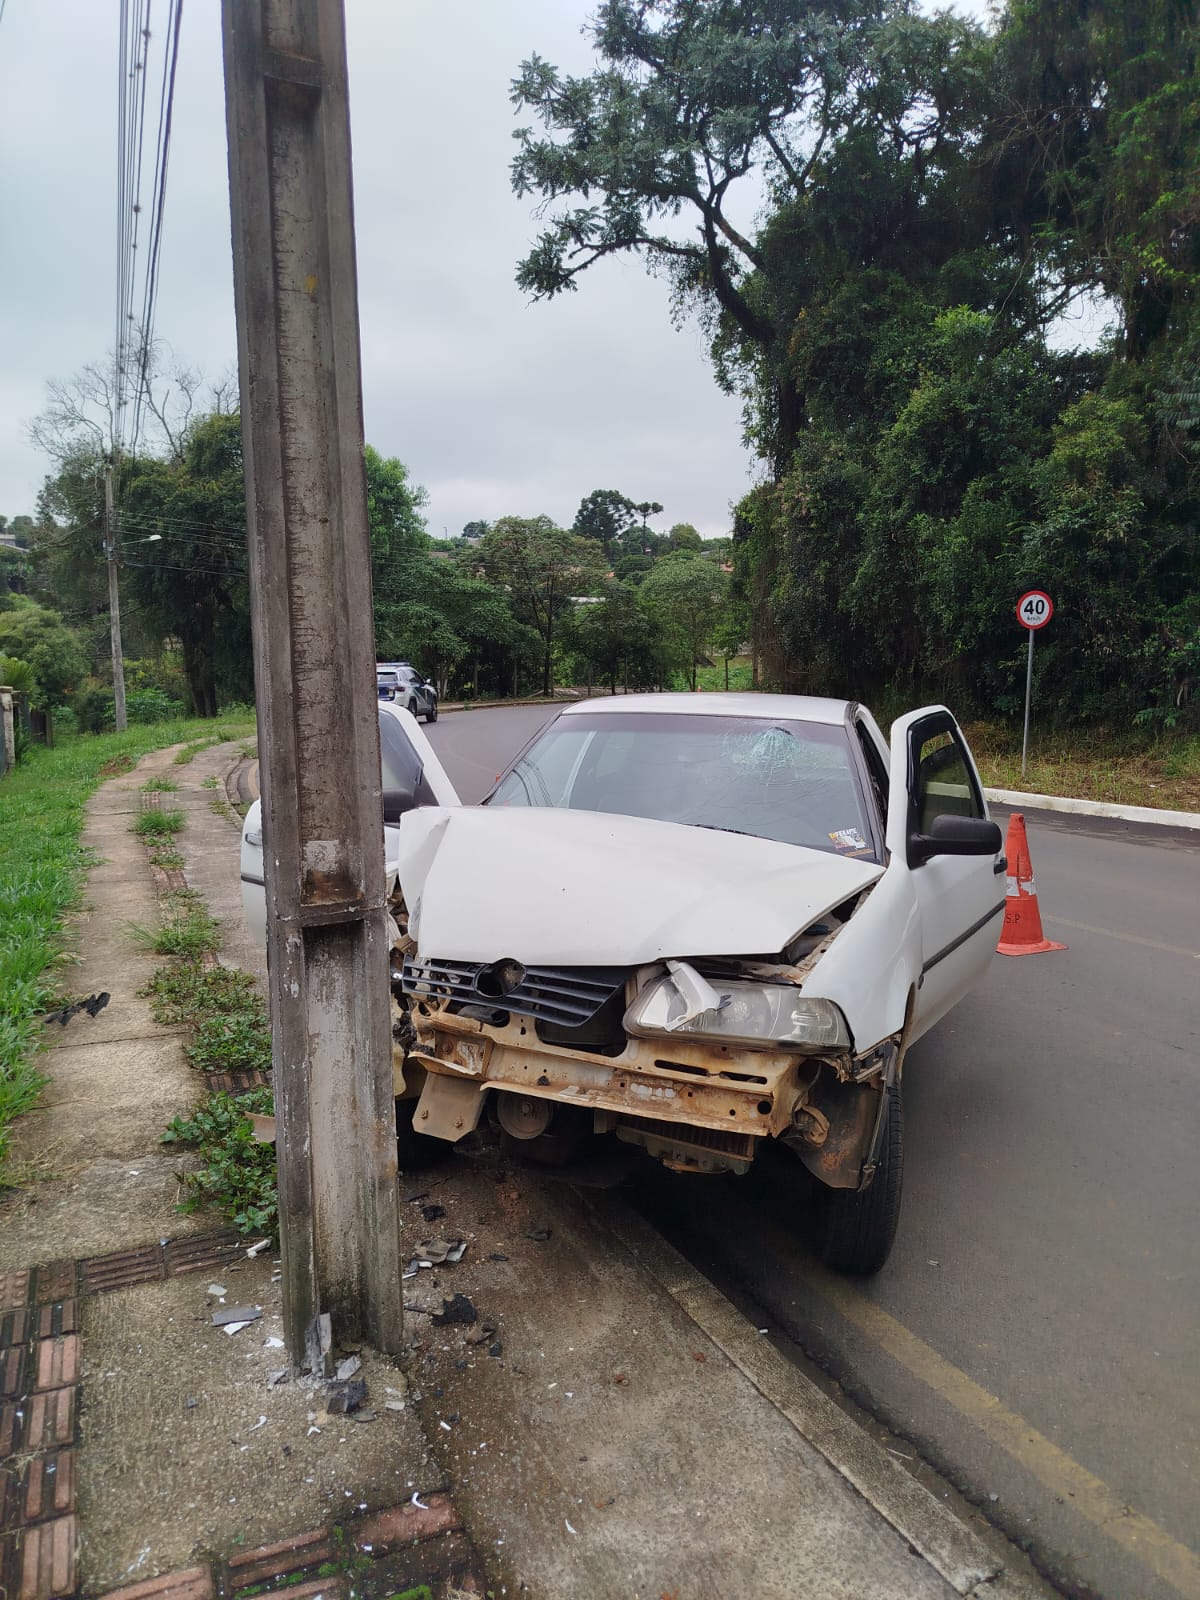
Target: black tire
(431, 714)
(415, 1151)
(856, 1228)
(411, 707)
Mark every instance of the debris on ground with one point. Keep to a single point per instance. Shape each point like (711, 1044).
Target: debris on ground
(278, 1376)
(224, 1316)
(458, 1310)
(347, 1368)
(257, 1249)
(436, 1253)
(432, 1213)
(538, 1235)
(93, 1005)
(345, 1395)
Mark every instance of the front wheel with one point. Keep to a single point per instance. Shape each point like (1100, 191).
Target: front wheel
(431, 714)
(856, 1228)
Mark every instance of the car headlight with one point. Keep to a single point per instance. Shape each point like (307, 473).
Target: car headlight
(747, 1014)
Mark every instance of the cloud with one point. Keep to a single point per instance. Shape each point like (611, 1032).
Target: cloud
(496, 406)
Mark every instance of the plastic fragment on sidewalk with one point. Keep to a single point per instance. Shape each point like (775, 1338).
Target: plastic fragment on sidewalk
(242, 1314)
(257, 1249)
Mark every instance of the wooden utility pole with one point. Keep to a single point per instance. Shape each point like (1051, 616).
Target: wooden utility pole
(114, 601)
(296, 295)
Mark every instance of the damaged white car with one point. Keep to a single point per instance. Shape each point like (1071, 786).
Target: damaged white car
(696, 922)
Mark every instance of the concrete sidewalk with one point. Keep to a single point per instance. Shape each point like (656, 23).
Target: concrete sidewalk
(601, 1422)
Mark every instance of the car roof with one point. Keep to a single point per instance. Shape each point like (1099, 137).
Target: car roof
(768, 707)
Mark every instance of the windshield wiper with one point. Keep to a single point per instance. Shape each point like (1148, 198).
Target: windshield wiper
(715, 827)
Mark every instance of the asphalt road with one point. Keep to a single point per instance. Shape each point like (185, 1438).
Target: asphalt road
(1036, 1333)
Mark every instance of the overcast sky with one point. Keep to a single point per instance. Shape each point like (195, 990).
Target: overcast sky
(497, 406)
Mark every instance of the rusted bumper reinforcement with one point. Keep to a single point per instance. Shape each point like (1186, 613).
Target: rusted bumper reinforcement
(692, 1103)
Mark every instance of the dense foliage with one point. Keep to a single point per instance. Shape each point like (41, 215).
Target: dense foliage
(936, 197)
(490, 613)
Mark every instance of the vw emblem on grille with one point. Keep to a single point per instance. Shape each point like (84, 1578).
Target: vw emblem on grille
(499, 978)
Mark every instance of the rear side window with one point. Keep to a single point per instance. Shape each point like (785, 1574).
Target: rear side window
(403, 769)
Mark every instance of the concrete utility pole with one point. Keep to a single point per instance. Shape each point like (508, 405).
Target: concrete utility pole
(114, 601)
(287, 110)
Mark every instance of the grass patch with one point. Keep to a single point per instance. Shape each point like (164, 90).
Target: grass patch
(1127, 769)
(160, 786)
(184, 756)
(186, 992)
(238, 1043)
(188, 929)
(42, 868)
(712, 678)
(236, 1173)
(211, 782)
(162, 853)
(158, 824)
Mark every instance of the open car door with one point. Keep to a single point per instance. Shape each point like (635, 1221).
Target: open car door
(411, 776)
(939, 832)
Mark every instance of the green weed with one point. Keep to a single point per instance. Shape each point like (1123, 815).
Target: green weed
(185, 993)
(210, 782)
(236, 1174)
(158, 824)
(160, 786)
(240, 1042)
(188, 929)
(185, 755)
(164, 855)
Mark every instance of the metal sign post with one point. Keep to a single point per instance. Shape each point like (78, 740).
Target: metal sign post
(1034, 610)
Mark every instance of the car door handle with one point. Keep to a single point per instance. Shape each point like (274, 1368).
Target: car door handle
(1000, 866)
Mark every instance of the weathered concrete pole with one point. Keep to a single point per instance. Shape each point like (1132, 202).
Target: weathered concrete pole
(287, 109)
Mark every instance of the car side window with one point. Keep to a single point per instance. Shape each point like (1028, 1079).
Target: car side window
(945, 785)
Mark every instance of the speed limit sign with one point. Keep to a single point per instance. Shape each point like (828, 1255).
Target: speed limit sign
(1035, 609)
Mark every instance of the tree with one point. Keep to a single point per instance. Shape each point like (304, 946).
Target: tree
(541, 567)
(684, 537)
(605, 515)
(39, 636)
(192, 582)
(614, 636)
(685, 594)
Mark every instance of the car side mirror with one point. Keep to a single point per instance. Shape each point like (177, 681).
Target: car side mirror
(396, 802)
(956, 836)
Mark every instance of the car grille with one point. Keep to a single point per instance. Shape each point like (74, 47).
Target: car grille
(567, 996)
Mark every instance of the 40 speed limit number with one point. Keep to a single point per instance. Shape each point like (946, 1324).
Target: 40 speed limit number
(1035, 609)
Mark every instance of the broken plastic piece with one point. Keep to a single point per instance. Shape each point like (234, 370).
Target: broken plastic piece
(242, 1314)
(348, 1367)
(344, 1395)
(257, 1249)
(539, 1235)
(458, 1310)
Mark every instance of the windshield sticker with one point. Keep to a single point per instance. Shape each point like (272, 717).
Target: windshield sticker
(848, 839)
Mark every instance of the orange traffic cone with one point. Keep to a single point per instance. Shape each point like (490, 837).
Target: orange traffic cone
(1022, 933)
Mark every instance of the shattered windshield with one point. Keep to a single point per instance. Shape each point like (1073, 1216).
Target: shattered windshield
(789, 781)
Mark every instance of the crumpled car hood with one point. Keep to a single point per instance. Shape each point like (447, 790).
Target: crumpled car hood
(578, 888)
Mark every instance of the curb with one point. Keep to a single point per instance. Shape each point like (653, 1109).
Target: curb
(941, 1539)
(1093, 808)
